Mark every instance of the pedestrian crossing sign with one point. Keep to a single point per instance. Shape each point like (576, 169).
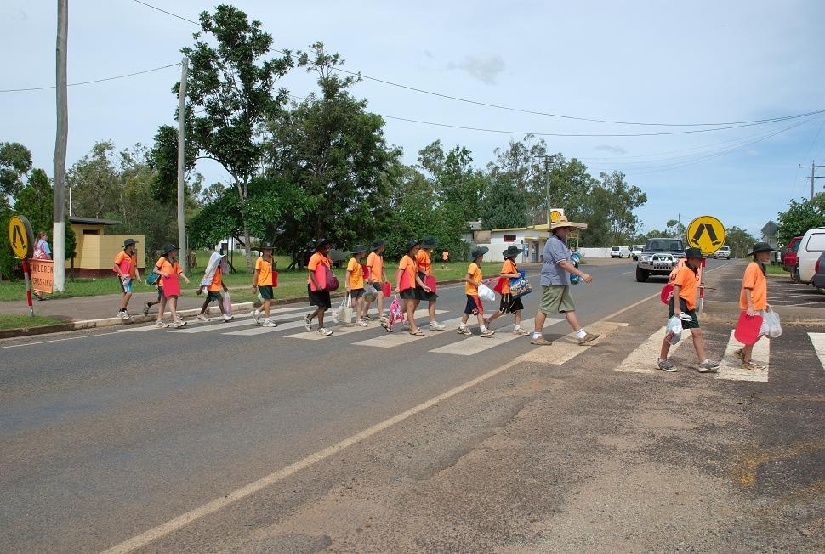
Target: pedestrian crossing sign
(706, 233)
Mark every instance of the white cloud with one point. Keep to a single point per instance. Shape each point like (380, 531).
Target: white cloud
(483, 68)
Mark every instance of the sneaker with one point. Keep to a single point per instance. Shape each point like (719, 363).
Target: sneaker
(256, 315)
(122, 315)
(436, 326)
(487, 333)
(308, 323)
(146, 309)
(521, 332)
(227, 318)
(363, 323)
(708, 366)
(366, 318)
(589, 337)
(269, 323)
(540, 341)
(751, 365)
(386, 326)
(325, 332)
(464, 331)
(383, 319)
(665, 365)
(161, 324)
(179, 323)
(201, 317)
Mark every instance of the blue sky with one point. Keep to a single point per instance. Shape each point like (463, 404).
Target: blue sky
(633, 61)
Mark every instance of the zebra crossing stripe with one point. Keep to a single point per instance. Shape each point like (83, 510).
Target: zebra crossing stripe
(475, 344)
(352, 328)
(567, 347)
(730, 368)
(643, 358)
(818, 342)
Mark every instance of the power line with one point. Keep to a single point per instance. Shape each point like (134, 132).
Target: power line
(95, 81)
(716, 125)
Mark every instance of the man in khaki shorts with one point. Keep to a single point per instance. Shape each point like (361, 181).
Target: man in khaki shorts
(555, 284)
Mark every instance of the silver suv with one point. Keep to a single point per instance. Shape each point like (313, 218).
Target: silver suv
(659, 257)
(723, 253)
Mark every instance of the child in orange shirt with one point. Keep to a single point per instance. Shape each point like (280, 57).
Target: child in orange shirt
(318, 294)
(213, 284)
(355, 283)
(425, 268)
(376, 278)
(407, 276)
(168, 268)
(754, 296)
(471, 282)
(263, 282)
(127, 271)
(683, 305)
(508, 304)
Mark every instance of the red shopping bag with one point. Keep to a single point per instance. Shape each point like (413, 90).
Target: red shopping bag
(386, 289)
(405, 283)
(747, 328)
(274, 278)
(500, 284)
(667, 292)
(171, 286)
(430, 281)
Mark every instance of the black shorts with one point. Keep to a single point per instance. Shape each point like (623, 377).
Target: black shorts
(319, 298)
(510, 305)
(421, 294)
(214, 295)
(356, 293)
(694, 319)
(266, 292)
(473, 306)
(408, 294)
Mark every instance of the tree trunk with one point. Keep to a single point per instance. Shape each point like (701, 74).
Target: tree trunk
(242, 193)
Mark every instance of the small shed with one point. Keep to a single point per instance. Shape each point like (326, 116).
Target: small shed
(96, 250)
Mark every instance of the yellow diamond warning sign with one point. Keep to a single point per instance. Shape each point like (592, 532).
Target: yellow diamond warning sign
(706, 233)
(21, 238)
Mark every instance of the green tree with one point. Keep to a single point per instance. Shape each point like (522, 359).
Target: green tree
(800, 216)
(94, 182)
(163, 159)
(739, 240)
(230, 91)
(503, 206)
(15, 162)
(36, 202)
(608, 211)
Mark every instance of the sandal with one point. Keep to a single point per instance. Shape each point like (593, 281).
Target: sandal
(418, 333)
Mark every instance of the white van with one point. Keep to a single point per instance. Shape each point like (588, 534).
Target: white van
(619, 251)
(810, 247)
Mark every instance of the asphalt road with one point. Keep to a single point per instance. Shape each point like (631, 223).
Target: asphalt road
(227, 437)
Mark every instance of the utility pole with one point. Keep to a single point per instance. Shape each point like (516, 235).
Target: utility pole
(184, 250)
(59, 232)
(814, 177)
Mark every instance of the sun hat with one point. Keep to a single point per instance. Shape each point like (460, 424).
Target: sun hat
(479, 251)
(129, 242)
(428, 242)
(266, 245)
(412, 243)
(760, 247)
(562, 222)
(693, 253)
(511, 251)
(168, 248)
(359, 248)
(321, 243)
(376, 244)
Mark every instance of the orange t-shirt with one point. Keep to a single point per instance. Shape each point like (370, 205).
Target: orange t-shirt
(356, 274)
(164, 266)
(474, 273)
(688, 281)
(375, 263)
(314, 261)
(127, 262)
(509, 268)
(264, 269)
(217, 281)
(408, 264)
(423, 261)
(754, 279)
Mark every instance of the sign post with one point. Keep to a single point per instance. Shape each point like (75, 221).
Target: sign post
(21, 240)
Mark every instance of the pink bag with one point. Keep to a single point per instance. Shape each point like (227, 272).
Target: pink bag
(396, 314)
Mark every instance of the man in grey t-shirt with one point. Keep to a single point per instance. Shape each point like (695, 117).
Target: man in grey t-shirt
(555, 284)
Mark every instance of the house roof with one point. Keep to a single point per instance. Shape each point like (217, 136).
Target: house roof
(93, 221)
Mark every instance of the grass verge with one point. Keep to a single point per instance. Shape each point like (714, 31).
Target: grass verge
(8, 321)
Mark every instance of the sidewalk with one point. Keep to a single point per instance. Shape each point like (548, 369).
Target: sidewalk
(101, 311)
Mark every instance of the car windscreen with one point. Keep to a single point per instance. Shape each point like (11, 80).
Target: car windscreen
(665, 245)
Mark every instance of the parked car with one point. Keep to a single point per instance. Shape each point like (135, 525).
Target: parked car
(659, 257)
(818, 280)
(790, 262)
(619, 251)
(810, 247)
(723, 253)
(636, 251)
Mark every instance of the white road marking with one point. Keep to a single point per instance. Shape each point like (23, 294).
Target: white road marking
(818, 341)
(567, 347)
(475, 344)
(68, 338)
(352, 328)
(643, 358)
(26, 344)
(731, 369)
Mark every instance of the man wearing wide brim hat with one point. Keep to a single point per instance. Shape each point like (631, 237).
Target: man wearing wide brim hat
(556, 269)
(425, 272)
(376, 277)
(683, 305)
(753, 298)
(127, 271)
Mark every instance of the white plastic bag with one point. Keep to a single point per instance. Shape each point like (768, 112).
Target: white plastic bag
(674, 330)
(486, 293)
(227, 303)
(345, 311)
(770, 324)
